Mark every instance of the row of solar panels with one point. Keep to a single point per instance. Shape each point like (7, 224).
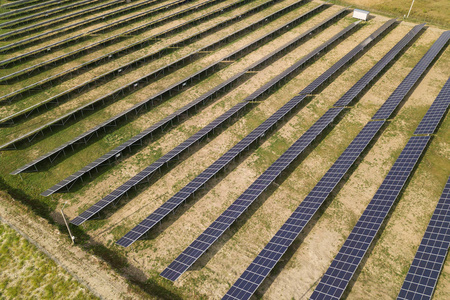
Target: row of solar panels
(178, 150)
(59, 10)
(71, 27)
(137, 140)
(163, 71)
(429, 260)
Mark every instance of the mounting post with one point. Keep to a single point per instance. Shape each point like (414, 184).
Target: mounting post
(67, 225)
(412, 3)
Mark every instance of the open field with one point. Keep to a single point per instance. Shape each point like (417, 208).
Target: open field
(379, 277)
(28, 273)
(436, 12)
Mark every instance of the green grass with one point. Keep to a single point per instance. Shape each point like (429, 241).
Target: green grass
(28, 273)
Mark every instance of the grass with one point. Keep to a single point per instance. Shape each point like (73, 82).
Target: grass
(28, 273)
(435, 12)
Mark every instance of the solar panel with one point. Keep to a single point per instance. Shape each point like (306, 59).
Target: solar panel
(243, 202)
(66, 183)
(408, 83)
(424, 271)
(335, 280)
(227, 158)
(260, 268)
(436, 112)
(379, 66)
(227, 218)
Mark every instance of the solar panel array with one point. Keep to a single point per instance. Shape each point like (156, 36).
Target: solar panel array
(430, 257)
(241, 146)
(243, 202)
(436, 112)
(117, 37)
(423, 274)
(153, 168)
(146, 173)
(17, 3)
(27, 8)
(19, 21)
(100, 79)
(137, 140)
(159, 73)
(260, 268)
(408, 83)
(110, 74)
(335, 280)
(141, 43)
(266, 260)
(168, 92)
(34, 39)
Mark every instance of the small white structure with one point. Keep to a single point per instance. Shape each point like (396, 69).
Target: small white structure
(361, 14)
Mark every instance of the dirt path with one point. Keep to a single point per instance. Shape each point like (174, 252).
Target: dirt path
(89, 270)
